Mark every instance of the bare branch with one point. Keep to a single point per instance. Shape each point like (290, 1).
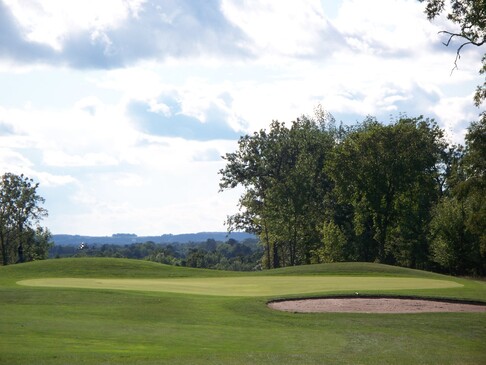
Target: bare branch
(452, 35)
(458, 53)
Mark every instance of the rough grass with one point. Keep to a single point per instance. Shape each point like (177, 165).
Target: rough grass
(41, 325)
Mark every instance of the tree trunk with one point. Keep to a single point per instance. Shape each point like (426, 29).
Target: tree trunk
(3, 243)
(20, 249)
(385, 221)
(267, 245)
(276, 260)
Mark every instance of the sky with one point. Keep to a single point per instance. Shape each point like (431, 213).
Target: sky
(122, 109)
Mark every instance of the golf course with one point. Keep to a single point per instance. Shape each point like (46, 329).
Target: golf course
(120, 311)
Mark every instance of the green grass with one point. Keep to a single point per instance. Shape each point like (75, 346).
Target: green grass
(61, 325)
(248, 285)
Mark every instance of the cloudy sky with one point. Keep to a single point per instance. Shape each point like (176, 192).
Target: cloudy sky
(121, 109)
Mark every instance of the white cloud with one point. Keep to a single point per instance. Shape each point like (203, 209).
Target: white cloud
(455, 115)
(136, 148)
(110, 176)
(206, 214)
(115, 33)
(16, 162)
(73, 136)
(51, 180)
(129, 180)
(61, 159)
(150, 199)
(367, 29)
(13, 161)
(141, 83)
(291, 28)
(51, 21)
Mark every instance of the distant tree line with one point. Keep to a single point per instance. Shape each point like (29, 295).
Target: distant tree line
(394, 193)
(211, 254)
(21, 237)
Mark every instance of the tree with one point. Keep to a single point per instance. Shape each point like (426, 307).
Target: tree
(453, 244)
(387, 174)
(333, 243)
(458, 227)
(470, 16)
(475, 184)
(475, 159)
(285, 184)
(20, 212)
(38, 243)
(461, 214)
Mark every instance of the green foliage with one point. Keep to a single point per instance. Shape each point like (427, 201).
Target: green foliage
(386, 173)
(38, 244)
(21, 239)
(448, 238)
(333, 244)
(230, 255)
(470, 15)
(458, 227)
(284, 202)
(367, 193)
(475, 159)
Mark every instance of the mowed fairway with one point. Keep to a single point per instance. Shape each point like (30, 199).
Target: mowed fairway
(117, 311)
(249, 285)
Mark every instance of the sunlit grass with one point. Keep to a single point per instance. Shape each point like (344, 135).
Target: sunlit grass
(247, 285)
(46, 325)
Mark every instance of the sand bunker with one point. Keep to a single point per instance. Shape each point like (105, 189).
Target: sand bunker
(373, 305)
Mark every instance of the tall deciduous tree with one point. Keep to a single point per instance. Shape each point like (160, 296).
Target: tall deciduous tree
(387, 174)
(20, 212)
(458, 228)
(285, 184)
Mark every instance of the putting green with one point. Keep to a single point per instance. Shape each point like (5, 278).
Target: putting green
(248, 285)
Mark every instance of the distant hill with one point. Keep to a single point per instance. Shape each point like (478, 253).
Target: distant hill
(125, 239)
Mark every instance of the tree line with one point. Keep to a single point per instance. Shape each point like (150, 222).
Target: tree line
(394, 193)
(211, 254)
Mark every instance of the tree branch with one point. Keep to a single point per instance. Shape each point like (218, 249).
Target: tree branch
(458, 53)
(452, 35)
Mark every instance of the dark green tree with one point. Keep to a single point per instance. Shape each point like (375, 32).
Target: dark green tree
(38, 243)
(458, 228)
(285, 184)
(387, 175)
(453, 246)
(20, 212)
(472, 189)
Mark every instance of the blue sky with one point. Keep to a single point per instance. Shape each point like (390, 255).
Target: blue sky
(121, 109)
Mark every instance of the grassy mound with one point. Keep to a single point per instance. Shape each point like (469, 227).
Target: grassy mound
(127, 268)
(45, 325)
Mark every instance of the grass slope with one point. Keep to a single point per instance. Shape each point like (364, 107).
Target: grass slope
(45, 325)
